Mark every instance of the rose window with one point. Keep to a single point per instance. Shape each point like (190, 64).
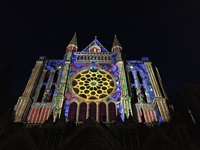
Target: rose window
(93, 84)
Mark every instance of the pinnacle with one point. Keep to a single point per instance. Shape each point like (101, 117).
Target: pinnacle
(116, 42)
(73, 40)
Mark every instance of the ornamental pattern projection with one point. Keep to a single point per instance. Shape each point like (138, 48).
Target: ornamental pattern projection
(93, 82)
(145, 106)
(45, 92)
(144, 91)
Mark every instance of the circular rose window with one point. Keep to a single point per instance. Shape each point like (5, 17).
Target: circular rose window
(93, 84)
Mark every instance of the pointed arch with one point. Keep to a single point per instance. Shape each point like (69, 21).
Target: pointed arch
(18, 142)
(82, 112)
(112, 111)
(92, 110)
(72, 112)
(102, 112)
(90, 137)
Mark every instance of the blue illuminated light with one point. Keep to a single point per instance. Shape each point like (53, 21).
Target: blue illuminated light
(139, 66)
(95, 42)
(67, 104)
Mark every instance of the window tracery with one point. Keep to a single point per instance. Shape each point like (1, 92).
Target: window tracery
(93, 84)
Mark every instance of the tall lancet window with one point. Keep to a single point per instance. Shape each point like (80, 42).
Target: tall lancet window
(47, 75)
(92, 110)
(82, 112)
(112, 111)
(41, 93)
(133, 88)
(55, 78)
(139, 77)
(72, 112)
(131, 77)
(102, 112)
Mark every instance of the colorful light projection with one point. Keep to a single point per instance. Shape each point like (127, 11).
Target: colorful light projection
(93, 84)
(97, 43)
(111, 68)
(142, 83)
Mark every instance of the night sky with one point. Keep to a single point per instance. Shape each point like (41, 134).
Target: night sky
(168, 32)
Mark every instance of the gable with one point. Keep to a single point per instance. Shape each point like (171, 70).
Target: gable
(95, 46)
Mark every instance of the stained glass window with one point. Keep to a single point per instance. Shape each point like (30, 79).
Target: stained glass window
(102, 112)
(72, 112)
(92, 110)
(93, 84)
(82, 112)
(112, 111)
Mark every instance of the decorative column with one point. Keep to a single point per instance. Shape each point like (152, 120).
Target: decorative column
(77, 112)
(125, 99)
(97, 112)
(107, 113)
(36, 94)
(153, 80)
(59, 98)
(87, 110)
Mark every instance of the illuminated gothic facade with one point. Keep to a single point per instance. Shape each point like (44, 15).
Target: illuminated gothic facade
(93, 82)
(92, 99)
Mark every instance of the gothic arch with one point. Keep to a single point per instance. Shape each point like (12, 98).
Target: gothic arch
(159, 140)
(72, 112)
(92, 137)
(112, 111)
(92, 110)
(102, 112)
(82, 112)
(18, 142)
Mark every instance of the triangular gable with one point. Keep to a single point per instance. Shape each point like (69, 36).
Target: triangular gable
(95, 42)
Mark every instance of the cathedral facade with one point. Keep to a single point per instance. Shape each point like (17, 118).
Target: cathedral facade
(93, 83)
(92, 99)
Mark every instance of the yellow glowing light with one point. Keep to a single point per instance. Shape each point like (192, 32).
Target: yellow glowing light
(93, 84)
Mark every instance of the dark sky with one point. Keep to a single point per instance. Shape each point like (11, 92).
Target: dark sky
(168, 32)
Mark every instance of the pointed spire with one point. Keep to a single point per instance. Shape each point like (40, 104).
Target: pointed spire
(116, 45)
(73, 40)
(72, 44)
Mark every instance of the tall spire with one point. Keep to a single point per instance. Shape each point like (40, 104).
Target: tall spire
(72, 44)
(116, 45)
